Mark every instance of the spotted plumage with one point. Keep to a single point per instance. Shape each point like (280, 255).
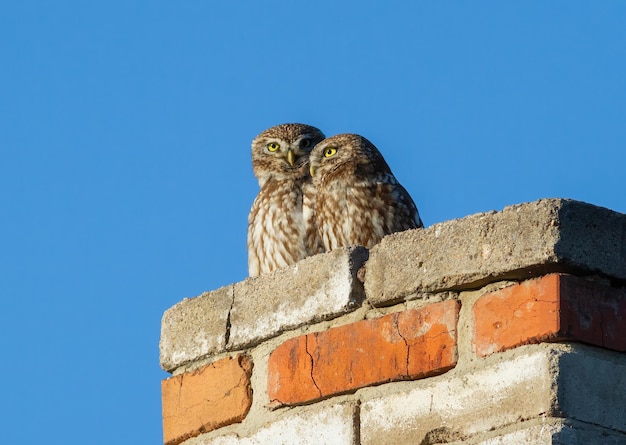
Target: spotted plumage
(359, 200)
(281, 225)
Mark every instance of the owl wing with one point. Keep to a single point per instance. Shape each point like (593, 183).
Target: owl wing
(406, 213)
(391, 209)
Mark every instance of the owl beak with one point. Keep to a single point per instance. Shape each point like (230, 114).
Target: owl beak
(291, 158)
(312, 170)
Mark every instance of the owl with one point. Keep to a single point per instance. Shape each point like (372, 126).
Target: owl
(359, 200)
(281, 225)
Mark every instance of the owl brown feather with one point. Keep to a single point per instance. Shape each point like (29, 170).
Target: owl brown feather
(358, 199)
(281, 224)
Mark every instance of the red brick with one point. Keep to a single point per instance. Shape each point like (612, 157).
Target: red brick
(400, 346)
(555, 307)
(593, 313)
(214, 396)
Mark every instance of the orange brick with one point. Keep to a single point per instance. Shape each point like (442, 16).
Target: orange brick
(551, 308)
(400, 346)
(516, 315)
(214, 396)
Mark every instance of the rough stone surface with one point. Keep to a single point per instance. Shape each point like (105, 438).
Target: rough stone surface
(498, 395)
(521, 241)
(206, 399)
(536, 435)
(400, 346)
(553, 307)
(327, 425)
(579, 383)
(547, 431)
(592, 387)
(577, 433)
(316, 288)
(195, 327)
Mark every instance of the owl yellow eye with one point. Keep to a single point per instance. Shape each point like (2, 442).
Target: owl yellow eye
(330, 151)
(305, 143)
(273, 146)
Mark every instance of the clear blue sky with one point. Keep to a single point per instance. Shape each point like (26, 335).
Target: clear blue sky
(125, 177)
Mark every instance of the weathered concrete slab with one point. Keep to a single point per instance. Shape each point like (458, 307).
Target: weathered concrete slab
(521, 241)
(316, 288)
(578, 383)
(320, 425)
(497, 395)
(592, 387)
(576, 433)
(547, 431)
(195, 328)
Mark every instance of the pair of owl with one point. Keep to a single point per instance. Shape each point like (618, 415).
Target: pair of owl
(319, 194)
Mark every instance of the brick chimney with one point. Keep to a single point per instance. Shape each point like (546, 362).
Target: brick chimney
(499, 328)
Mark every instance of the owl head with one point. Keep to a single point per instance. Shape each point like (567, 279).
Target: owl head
(346, 154)
(282, 152)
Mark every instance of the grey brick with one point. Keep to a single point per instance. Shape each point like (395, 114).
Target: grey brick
(195, 328)
(317, 288)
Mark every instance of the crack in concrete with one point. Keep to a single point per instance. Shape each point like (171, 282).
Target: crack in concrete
(306, 348)
(356, 422)
(228, 324)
